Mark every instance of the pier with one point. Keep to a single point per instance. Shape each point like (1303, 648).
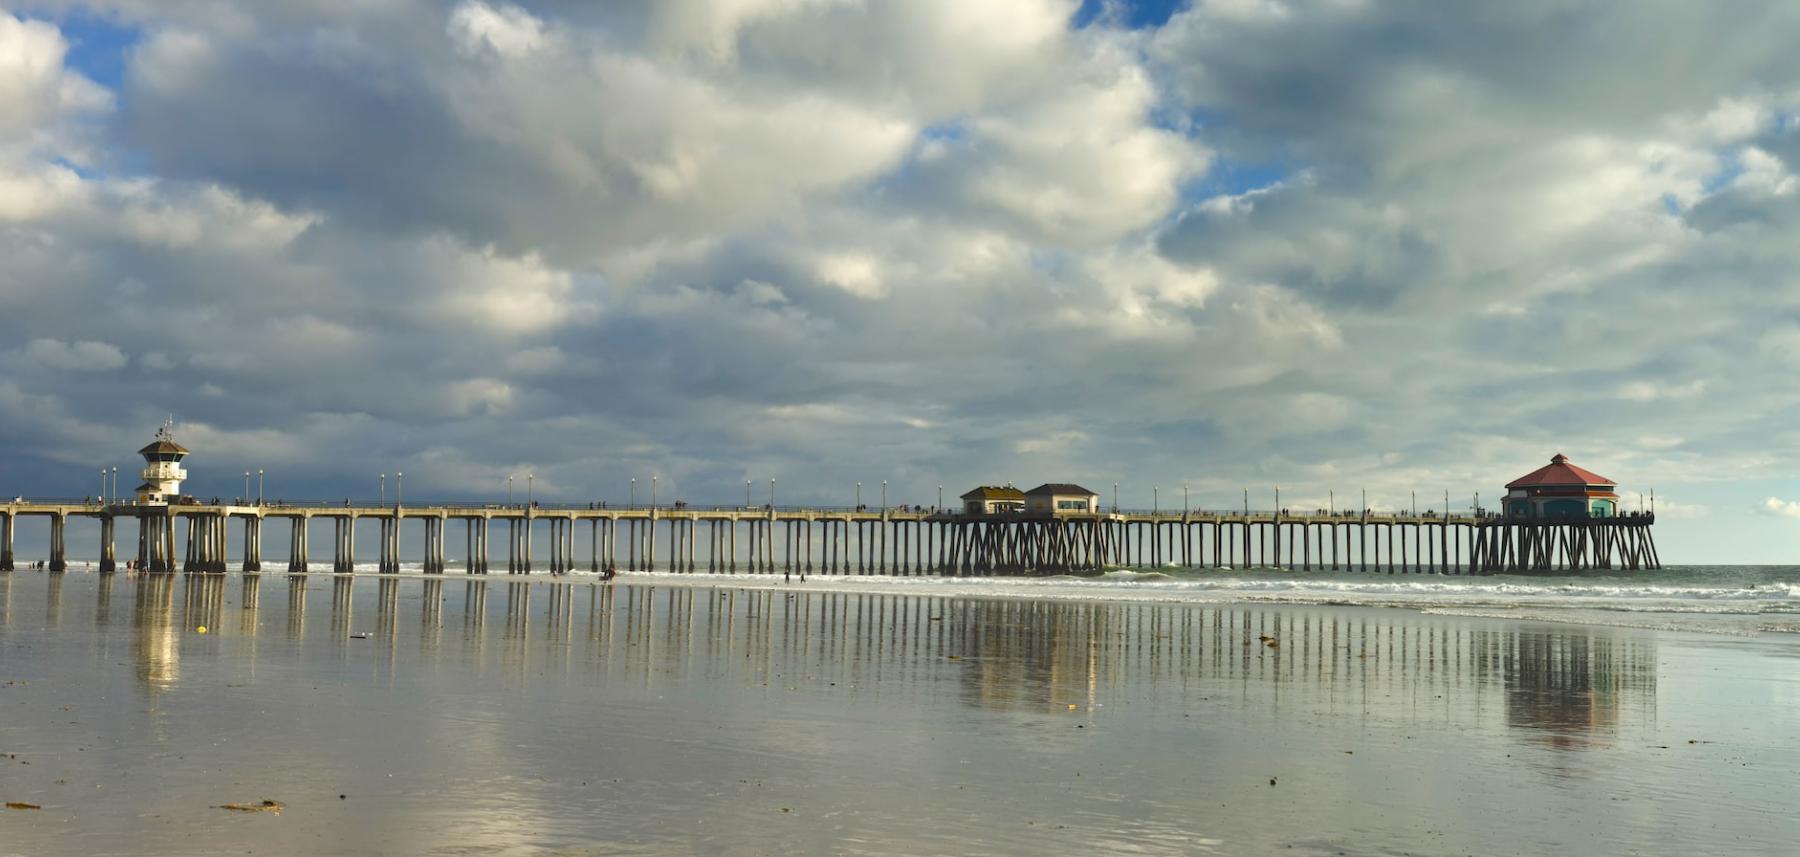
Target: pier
(837, 541)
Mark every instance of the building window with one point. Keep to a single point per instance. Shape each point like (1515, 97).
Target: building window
(1072, 505)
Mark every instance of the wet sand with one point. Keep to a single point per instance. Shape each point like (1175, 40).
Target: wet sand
(509, 717)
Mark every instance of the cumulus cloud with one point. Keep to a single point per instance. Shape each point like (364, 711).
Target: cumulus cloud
(1313, 243)
(1780, 508)
(83, 356)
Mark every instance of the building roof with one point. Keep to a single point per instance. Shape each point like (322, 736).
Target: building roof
(1559, 472)
(163, 446)
(1060, 488)
(146, 487)
(995, 492)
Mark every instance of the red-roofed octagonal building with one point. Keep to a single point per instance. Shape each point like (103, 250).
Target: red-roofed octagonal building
(1561, 490)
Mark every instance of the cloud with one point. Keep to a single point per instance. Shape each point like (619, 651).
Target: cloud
(1319, 244)
(507, 31)
(84, 356)
(1778, 507)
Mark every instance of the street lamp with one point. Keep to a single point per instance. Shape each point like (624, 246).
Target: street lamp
(884, 496)
(1115, 496)
(746, 493)
(634, 492)
(1185, 505)
(509, 480)
(859, 496)
(1331, 502)
(384, 489)
(246, 483)
(399, 485)
(259, 484)
(771, 494)
(1415, 503)
(102, 494)
(528, 478)
(940, 504)
(652, 492)
(115, 485)
(1155, 499)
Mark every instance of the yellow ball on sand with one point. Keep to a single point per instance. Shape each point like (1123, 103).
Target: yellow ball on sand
(201, 629)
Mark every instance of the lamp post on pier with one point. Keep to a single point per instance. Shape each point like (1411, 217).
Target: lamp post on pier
(115, 485)
(858, 496)
(1185, 505)
(771, 494)
(259, 484)
(634, 492)
(102, 495)
(399, 486)
(509, 490)
(1155, 499)
(528, 478)
(940, 505)
(1415, 503)
(1115, 497)
(246, 483)
(746, 493)
(884, 496)
(384, 489)
(1331, 502)
(652, 491)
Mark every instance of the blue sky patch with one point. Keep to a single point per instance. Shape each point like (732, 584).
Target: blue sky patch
(1136, 14)
(97, 46)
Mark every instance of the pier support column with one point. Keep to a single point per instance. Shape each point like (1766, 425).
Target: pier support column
(108, 562)
(253, 544)
(58, 555)
(296, 545)
(6, 542)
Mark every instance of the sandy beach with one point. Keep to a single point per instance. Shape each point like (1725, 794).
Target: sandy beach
(545, 717)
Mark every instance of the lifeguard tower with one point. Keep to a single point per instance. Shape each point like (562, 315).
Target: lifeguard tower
(163, 472)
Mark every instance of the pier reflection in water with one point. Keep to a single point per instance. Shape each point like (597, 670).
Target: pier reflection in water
(1568, 683)
(607, 714)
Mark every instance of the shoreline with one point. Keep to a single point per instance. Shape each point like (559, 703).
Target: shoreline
(1751, 612)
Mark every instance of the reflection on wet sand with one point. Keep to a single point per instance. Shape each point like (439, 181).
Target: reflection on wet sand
(296, 627)
(53, 600)
(103, 600)
(249, 600)
(343, 588)
(1569, 683)
(158, 658)
(431, 613)
(1573, 687)
(474, 606)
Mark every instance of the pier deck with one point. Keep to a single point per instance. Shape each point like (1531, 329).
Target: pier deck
(761, 540)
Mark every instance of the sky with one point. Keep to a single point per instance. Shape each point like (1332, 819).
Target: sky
(1325, 246)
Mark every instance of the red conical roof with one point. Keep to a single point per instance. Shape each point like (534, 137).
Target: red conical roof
(1560, 472)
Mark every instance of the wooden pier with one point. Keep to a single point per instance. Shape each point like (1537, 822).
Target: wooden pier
(730, 540)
